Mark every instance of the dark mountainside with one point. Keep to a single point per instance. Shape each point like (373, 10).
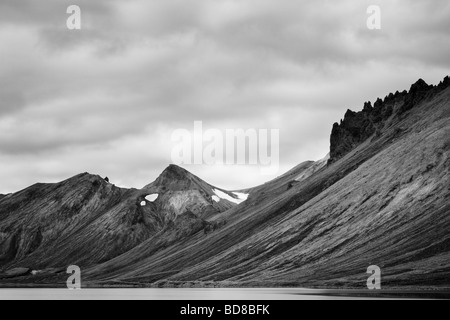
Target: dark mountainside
(357, 127)
(86, 220)
(382, 199)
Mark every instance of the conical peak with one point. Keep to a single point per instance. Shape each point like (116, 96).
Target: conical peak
(174, 178)
(175, 172)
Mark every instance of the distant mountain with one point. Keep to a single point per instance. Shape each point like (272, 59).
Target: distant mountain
(316, 166)
(82, 219)
(285, 182)
(85, 220)
(381, 198)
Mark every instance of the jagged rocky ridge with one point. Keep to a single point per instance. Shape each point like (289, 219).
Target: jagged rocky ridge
(357, 127)
(383, 200)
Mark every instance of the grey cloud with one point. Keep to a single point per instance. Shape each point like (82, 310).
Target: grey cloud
(84, 99)
(37, 14)
(11, 100)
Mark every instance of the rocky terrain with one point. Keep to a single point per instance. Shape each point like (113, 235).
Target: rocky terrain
(180, 191)
(382, 198)
(85, 220)
(357, 127)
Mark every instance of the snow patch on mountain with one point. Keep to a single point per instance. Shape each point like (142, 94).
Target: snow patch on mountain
(241, 196)
(152, 197)
(222, 195)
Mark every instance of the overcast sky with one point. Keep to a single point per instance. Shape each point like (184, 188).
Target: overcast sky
(107, 98)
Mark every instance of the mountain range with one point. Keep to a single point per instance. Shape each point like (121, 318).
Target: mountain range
(380, 197)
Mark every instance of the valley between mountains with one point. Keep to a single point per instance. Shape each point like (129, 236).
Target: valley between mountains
(381, 197)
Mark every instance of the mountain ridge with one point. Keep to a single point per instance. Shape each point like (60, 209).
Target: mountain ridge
(87, 220)
(382, 200)
(356, 127)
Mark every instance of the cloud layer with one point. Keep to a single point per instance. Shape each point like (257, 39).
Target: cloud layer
(107, 98)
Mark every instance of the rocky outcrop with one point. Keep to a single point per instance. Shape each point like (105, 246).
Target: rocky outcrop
(358, 127)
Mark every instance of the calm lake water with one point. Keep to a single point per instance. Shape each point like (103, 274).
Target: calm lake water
(189, 294)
